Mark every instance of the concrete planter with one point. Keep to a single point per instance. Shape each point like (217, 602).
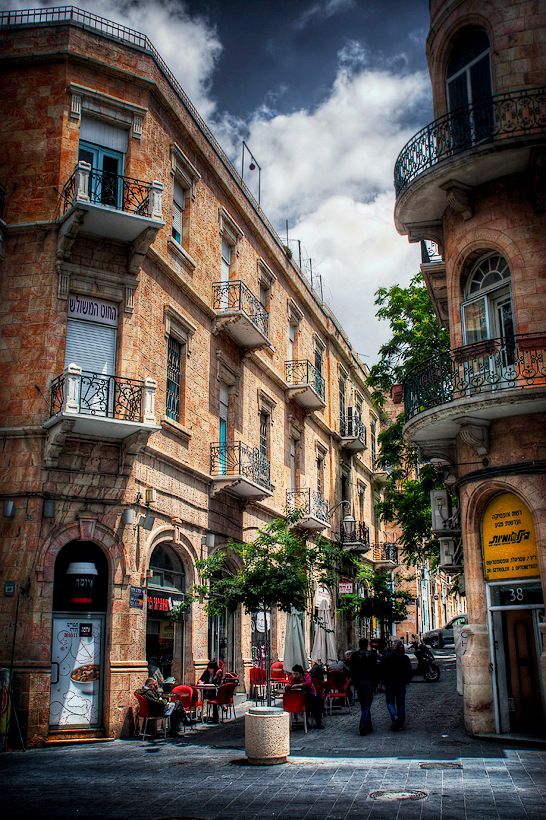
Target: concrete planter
(267, 735)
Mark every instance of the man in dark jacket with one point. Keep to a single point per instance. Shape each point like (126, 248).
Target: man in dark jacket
(395, 672)
(363, 668)
(159, 707)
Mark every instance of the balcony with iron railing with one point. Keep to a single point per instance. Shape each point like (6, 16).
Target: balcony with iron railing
(240, 314)
(304, 385)
(241, 470)
(352, 431)
(354, 535)
(479, 142)
(113, 206)
(99, 406)
(384, 555)
(487, 380)
(311, 506)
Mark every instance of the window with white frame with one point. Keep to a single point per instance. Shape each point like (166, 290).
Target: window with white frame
(487, 306)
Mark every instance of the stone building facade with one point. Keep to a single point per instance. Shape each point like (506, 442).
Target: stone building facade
(169, 379)
(471, 187)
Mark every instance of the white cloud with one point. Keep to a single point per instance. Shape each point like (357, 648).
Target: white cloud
(322, 10)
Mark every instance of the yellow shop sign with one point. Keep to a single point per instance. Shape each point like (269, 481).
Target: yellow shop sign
(508, 538)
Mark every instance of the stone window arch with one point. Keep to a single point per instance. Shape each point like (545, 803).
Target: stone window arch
(166, 570)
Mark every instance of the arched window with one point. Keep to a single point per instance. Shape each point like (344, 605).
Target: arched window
(468, 88)
(487, 306)
(167, 572)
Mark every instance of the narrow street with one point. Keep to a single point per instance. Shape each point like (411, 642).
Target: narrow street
(331, 774)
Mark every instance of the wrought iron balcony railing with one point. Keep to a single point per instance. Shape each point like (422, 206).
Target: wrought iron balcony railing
(235, 458)
(237, 296)
(474, 370)
(384, 552)
(92, 394)
(355, 533)
(351, 425)
(304, 373)
(308, 503)
(90, 186)
(502, 117)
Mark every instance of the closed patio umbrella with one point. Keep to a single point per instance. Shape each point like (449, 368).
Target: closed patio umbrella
(324, 644)
(294, 644)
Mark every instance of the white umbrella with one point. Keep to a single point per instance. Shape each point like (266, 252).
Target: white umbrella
(324, 645)
(294, 642)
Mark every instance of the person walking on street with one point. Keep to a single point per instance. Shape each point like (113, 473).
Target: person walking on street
(363, 668)
(395, 672)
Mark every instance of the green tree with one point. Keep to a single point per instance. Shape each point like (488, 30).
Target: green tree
(278, 569)
(377, 596)
(415, 337)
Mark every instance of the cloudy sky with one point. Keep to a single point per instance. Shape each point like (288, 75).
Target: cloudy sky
(325, 93)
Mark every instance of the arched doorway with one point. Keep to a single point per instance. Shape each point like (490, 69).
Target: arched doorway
(165, 634)
(80, 601)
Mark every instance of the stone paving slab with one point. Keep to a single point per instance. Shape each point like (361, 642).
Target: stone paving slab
(330, 774)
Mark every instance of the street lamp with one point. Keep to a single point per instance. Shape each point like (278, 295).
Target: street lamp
(252, 165)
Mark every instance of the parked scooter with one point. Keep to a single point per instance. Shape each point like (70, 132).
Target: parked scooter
(425, 662)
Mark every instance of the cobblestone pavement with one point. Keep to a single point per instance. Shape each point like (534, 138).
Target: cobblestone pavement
(330, 776)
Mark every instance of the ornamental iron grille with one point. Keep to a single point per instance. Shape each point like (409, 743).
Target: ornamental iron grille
(112, 190)
(235, 295)
(384, 552)
(476, 369)
(504, 116)
(308, 503)
(351, 425)
(233, 458)
(299, 373)
(173, 378)
(98, 395)
(354, 533)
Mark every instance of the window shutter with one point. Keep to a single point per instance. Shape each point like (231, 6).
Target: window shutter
(91, 347)
(104, 134)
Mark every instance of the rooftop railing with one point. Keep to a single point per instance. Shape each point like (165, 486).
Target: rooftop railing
(308, 503)
(302, 372)
(236, 295)
(474, 370)
(235, 458)
(504, 116)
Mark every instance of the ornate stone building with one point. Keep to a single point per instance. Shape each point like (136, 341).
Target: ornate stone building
(471, 186)
(169, 378)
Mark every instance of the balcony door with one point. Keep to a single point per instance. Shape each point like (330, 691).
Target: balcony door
(223, 428)
(91, 330)
(103, 146)
(468, 87)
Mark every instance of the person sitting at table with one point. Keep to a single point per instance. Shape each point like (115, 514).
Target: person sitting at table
(300, 681)
(159, 707)
(213, 675)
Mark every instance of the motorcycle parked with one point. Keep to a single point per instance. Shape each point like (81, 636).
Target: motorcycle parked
(425, 665)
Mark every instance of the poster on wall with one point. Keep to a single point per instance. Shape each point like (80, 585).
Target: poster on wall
(75, 672)
(508, 538)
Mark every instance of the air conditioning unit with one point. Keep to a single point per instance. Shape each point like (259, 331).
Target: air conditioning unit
(151, 495)
(450, 553)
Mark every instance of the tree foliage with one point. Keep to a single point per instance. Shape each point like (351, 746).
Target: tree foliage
(415, 335)
(415, 338)
(377, 596)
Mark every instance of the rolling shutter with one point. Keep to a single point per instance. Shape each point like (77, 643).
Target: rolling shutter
(104, 134)
(91, 346)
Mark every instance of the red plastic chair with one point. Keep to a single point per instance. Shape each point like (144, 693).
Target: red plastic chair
(223, 700)
(279, 678)
(188, 697)
(144, 713)
(338, 693)
(294, 702)
(257, 683)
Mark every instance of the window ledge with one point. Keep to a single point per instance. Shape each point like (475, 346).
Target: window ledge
(182, 254)
(177, 428)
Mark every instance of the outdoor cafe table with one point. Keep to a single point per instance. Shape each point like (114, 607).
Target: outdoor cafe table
(203, 689)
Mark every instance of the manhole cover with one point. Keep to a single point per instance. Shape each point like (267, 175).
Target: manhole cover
(393, 795)
(440, 766)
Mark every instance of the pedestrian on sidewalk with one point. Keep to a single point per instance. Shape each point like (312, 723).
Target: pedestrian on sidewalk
(395, 672)
(363, 668)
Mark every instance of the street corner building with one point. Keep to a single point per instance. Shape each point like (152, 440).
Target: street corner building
(170, 382)
(471, 187)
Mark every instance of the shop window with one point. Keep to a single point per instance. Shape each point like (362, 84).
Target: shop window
(164, 637)
(166, 570)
